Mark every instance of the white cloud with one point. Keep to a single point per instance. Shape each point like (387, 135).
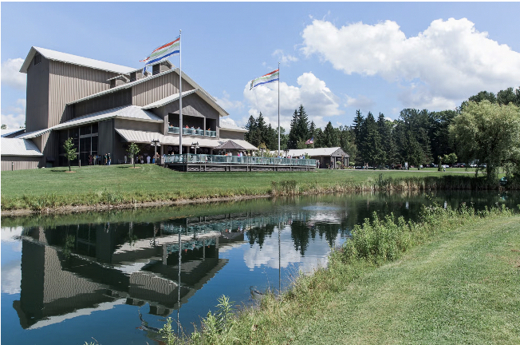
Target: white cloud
(313, 93)
(14, 116)
(438, 68)
(11, 75)
(363, 103)
(228, 104)
(316, 253)
(11, 277)
(282, 58)
(228, 122)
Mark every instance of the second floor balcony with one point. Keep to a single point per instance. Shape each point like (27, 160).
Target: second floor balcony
(193, 131)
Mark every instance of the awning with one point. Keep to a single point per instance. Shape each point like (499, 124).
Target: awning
(230, 145)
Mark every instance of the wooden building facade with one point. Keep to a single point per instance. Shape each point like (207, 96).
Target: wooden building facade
(93, 102)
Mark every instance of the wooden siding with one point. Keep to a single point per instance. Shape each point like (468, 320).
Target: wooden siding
(231, 135)
(192, 105)
(20, 163)
(68, 83)
(138, 125)
(37, 106)
(106, 136)
(109, 101)
(157, 89)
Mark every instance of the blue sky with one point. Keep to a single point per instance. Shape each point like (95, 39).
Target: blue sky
(335, 57)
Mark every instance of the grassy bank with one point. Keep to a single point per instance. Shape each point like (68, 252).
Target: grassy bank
(452, 278)
(123, 185)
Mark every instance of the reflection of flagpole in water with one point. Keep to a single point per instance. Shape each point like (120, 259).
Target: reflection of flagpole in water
(179, 288)
(279, 262)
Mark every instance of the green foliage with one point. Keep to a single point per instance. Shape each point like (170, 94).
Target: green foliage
(167, 333)
(489, 133)
(133, 150)
(70, 150)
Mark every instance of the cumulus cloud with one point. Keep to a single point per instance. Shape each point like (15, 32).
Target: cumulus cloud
(284, 59)
(313, 93)
(444, 64)
(11, 75)
(228, 122)
(14, 116)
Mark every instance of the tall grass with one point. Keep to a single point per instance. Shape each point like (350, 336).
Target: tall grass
(375, 242)
(124, 196)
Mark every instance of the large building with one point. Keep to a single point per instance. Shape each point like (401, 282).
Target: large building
(104, 107)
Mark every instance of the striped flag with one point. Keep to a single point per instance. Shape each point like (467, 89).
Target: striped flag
(310, 141)
(268, 78)
(163, 52)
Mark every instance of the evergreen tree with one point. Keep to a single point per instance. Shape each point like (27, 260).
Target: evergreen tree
(330, 138)
(359, 124)
(373, 151)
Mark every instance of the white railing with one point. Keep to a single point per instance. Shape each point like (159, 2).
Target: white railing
(244, 160)
(192, 131)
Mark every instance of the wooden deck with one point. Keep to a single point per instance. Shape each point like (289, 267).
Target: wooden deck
(223, 167)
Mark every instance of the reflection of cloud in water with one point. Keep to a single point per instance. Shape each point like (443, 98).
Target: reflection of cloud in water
(12, 236)
(11, 277)
(316, 253)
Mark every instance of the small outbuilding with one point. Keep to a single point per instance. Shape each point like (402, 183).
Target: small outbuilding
(328, 157)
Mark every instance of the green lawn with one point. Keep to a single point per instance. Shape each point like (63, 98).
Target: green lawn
(122, 184)
(461, 287)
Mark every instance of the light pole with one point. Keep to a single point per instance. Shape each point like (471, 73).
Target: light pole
(155, 143)
(195, 146)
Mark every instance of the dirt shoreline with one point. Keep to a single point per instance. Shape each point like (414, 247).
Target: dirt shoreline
(106, 207)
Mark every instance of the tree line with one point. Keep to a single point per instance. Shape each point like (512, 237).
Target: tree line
(418, 137)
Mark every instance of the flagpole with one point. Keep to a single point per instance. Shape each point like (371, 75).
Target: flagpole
(180, 93)
(278, 108)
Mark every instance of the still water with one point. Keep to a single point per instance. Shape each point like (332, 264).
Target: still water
(114, 277)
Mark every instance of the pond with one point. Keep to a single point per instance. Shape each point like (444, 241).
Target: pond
(114, 277)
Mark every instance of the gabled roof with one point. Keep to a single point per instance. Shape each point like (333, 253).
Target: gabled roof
(19, 147)
(74, 60)
(322, 151)
(230, 145)
(200, 91)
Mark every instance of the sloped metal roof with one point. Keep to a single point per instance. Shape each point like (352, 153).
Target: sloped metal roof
(19, 147)
(74, 60)
(169, 99)
(33, 134)
(230, 145)
(143, 137)
(13, 132)
(132, 112)
(322, 151)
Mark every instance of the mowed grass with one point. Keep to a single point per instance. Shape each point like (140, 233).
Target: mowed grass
(461, 286)
(119, 184)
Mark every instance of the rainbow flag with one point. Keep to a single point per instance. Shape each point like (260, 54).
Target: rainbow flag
(268, 78)
(164, 52)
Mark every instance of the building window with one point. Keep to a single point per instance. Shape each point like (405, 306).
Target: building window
(112, 83)
(37, 58)
(156, 69)
(133, 76)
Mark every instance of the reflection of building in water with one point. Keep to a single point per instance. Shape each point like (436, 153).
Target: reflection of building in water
(74, 269)
(57, 282)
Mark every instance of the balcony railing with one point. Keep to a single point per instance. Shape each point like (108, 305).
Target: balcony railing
(192, 131)
(244, 160)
